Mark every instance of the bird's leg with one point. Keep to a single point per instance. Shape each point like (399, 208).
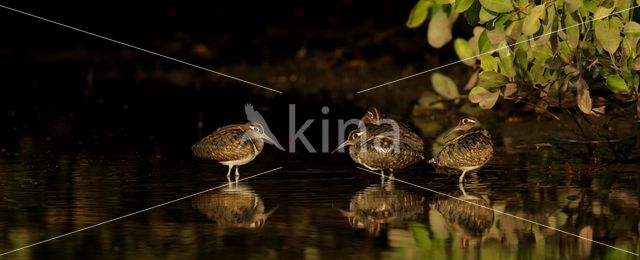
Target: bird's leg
(237, 173)
(382, 176)
(461, 186)
(461, 180)
(391, 175)
(229, 174)
(229, 171)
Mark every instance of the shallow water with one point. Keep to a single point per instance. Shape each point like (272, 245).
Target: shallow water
(310, 210)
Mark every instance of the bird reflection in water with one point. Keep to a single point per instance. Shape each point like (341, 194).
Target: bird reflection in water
(379, 207)
(466, 215)
(235, 206)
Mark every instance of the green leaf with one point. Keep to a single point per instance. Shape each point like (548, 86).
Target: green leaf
(484, 46)
(602, 12)
(464, 51)
(463, 5)
(483, 97)
(473, 13)
(616, 84)
(491, 79)
(608, 35)
(444, 86)
(572, 5)
(592, 5)
(541, 53)
(439, 32)
(514, 29)
(419, 13)
(632, 28)
(572, 31)
(489, 63)
(485, 16)
(531, 23)
(498, 6)
(444, 2)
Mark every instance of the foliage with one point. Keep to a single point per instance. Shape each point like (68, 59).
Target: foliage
(563, 53)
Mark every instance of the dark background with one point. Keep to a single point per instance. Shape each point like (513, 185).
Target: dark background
(70, 90)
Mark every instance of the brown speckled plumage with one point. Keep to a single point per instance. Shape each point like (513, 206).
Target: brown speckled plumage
(378, 151)
(227, 144)
(233, 145)
(467, 152)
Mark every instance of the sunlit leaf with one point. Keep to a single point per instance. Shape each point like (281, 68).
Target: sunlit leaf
(483, 97)
(498, 6)
(607, 34)
(419, 13)
(484, 46)
(489, 63)
(616, 84)
(514, 29)
(464, 51)
(531, 23)
(491, 79)
(632, 28)
(444, 86)
(592, 5)
(602, 12)
(572, 5)
(463, 5)
(439, 32)
(484, 16)
(572, 31)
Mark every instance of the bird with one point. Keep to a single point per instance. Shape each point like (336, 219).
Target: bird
(237, 206)
(233, 145)
(467, 152)
(382, 144)
(373, 117)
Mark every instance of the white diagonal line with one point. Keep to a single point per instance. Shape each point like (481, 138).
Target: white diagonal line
(489, 52)
(140, 49)
(134, 213)
(504, 213)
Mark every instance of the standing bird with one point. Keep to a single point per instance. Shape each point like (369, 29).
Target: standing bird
(373, 117)
(467, 152)
(383, 145)
(233, 145)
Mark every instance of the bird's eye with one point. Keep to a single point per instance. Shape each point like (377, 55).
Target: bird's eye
(464, 121)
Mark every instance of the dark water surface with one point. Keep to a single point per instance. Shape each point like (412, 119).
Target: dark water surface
(310, 209)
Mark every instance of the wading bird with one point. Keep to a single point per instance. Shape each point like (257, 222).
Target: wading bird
(467, 152)
(383, 145)
(233, 145)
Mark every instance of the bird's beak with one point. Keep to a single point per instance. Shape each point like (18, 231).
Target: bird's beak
(455, 129)
(341, 146)
(271, 141)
